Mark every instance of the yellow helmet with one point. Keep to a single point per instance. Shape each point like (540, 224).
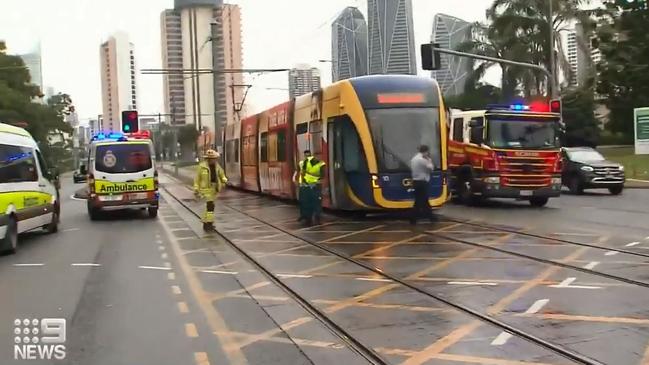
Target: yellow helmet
(211, 154)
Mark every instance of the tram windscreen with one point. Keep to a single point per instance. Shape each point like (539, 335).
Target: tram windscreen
(398, 132)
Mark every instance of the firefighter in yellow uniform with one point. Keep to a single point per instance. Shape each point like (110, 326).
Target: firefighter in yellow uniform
(310, 180)
(208, 183)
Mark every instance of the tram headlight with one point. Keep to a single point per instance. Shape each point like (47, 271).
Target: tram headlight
(375, 182)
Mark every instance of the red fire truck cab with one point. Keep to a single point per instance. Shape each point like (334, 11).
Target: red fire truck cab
(509, 151)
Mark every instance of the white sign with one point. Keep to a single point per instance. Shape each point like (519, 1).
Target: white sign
(39, 339)
(641, 128)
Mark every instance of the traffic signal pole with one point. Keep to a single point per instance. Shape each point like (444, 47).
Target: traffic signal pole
(434, 66)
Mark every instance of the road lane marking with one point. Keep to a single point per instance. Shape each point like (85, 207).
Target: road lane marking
(374, 279)
(294, 276)
(190, 330)
(167, 264)
(71, 230)
(171, 276)
(566, 285)
(200, 358)
(471, 283)
(85, 264)
(182, 307)
(159, 242)
(161, 248)
(611, 253)
(570, 317)
(591, 265)
(28, 265)
(501, 339)
(647, 238)
(632, 244)
(164, 256)
(351, 234)
(537, 306)
(176, 289)
(219, 272)
(154, 268)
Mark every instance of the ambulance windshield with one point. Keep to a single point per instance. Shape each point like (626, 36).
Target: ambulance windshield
(123, 158)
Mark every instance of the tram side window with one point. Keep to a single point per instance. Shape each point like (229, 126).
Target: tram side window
(458, 129)
(353, 155)
(302, 139)
(17, 164)
(272, 146)
(281, 146)
(315, 130)
(263, 147)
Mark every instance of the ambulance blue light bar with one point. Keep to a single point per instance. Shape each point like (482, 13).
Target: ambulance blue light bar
(102, 136)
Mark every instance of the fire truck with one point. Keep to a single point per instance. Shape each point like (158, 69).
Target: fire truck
(506, 151)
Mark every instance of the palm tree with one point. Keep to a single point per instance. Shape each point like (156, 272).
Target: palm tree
(530, 22)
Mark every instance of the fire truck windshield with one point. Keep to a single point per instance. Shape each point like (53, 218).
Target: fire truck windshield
(522, 134)
(398, 132)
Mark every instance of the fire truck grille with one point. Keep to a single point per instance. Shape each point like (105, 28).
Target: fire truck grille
(530, 172)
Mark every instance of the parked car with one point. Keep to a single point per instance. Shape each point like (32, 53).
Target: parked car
(585, 168)
(79, 175)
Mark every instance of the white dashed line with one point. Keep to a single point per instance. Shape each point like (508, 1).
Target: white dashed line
(171, 276)
(86, 264)
(501, 339)
(28, 265)
(647, 238)
(611, 253)
(632, 244)
(164, 256)
(219, 272)
(374, 279)
(536, 307)
(77, 199)
(286, 276)
(566, 285)
(161, 248)
(471, 283)
(154, 268)
(159, 242)
(71, 230)
(591, 265)
(176, 289)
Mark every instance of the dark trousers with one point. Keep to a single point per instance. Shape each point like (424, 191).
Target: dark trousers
(422, 208)
(310, 202)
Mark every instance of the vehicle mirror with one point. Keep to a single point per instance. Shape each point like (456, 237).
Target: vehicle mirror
(83, 170)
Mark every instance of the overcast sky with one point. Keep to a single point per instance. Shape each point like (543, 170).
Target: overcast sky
(276, 34)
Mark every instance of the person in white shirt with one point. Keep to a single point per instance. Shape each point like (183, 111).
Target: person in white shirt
(421, 168)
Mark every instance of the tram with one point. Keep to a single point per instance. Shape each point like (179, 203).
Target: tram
(366, 129)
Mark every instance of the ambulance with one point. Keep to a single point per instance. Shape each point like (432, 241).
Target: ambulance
(29, 195)
(122, 174)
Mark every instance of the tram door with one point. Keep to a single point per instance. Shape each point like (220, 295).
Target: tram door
(343, 150)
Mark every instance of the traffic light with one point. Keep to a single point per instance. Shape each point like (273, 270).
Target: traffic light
(555, 106)
(430, 58)
(130, 121)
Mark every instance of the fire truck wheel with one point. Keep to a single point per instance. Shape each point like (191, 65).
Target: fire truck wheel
(465, 193)
(538, 201)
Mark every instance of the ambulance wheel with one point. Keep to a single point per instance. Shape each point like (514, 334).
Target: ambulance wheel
(10, 242)
(153, 212)
(53, 227)
(94, 213)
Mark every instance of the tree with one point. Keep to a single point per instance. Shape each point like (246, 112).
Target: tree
(475, 97)
(579, 117)
(624, 71)
(187, 136)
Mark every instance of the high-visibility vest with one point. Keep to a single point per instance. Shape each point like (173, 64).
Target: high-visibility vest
(309, 172)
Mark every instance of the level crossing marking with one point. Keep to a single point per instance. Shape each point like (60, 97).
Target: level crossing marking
(171, 275)
(190, 330)
(71, 230)
(86, 264)
(200, 358)
(219, 272)
(537, 306)
(501, 339)
(591, 265)
(294, 276)
(176, 289)
(632, 244)
(374, 279)
(154, 268)
(164, 256)
(182, 307)
(28, 265)
(566, 284)
(611, 253)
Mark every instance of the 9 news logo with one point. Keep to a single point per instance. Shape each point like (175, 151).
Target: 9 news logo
(42, 339)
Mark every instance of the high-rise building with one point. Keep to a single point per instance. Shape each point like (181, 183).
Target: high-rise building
(450, 32)
(172, 58)
(581, 55)
(349, 45)
(303, 79)
(202, 35)
(118, 79)
(34, 64)
(391, 37)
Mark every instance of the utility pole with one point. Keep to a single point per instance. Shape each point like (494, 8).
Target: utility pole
(217, 56)
(553, 63)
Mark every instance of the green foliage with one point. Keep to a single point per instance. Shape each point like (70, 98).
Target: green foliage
(17, 107)
(579, 117)
(187, 135)
(624, 71)
(475, 97)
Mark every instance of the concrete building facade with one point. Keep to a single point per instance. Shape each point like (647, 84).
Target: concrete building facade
(118, 79)
(391, 37)
(450, 32)
(349, 45)
(303, 79)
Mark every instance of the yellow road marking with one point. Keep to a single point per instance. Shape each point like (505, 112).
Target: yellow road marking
(442, 344)
(190, 330)
(182, 307)
(214, 319)
(385, 247)
(200, 358)
(645, 358)
(352, 233)
(570, 317)
(484, 360)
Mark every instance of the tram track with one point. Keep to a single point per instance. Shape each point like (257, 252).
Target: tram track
(355, 344)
